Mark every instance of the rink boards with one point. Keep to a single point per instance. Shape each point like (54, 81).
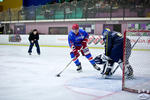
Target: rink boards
(62, 41)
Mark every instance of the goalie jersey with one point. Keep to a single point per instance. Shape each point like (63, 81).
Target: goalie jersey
(114, 45)
(76, 40)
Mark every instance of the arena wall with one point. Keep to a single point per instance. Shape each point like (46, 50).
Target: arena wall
(62, 41)
(97, 26)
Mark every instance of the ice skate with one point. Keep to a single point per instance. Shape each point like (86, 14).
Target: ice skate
(79, 68)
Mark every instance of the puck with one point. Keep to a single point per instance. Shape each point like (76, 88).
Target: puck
(58, 75)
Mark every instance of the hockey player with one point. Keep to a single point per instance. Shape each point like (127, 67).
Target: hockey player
(33, 38)
(114, 53)
(77, 39)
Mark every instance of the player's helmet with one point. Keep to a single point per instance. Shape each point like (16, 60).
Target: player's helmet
(105, 31)
(75, 26)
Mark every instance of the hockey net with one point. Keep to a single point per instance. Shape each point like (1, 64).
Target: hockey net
(139, 60)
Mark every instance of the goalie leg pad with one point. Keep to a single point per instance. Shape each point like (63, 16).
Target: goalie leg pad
(108, 68)
(128, 70)
(108, 71)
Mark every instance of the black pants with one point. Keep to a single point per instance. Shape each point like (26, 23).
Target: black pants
(31, 46)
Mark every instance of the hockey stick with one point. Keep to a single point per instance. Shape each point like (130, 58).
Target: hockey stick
(104, 67)
(115, 69)
(58, 75)
(131, 49)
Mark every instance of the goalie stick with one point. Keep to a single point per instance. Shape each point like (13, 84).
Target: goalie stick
(135, 42)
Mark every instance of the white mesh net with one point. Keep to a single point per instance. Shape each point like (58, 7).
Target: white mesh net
(139, 60)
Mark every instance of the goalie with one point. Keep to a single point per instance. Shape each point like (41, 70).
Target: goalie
(114, 53)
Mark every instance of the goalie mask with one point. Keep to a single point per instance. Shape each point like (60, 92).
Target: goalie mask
(105, 31)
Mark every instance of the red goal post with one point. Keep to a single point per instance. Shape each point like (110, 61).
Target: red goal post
(139, 60)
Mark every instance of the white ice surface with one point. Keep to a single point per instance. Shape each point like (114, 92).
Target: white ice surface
(25, 77)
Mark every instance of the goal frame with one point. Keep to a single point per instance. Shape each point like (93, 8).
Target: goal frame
(123, 72)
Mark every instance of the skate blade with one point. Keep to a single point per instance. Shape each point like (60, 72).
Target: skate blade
(129, 77)
(79, 71)
(107, 76)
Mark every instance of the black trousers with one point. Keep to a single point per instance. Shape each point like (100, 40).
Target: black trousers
(31, 46)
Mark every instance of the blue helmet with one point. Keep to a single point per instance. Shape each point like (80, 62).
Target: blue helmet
(105, 31)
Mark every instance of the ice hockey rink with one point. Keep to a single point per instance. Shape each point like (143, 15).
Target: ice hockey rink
(33, 77)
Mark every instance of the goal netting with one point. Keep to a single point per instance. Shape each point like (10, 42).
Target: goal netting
(139, 60)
